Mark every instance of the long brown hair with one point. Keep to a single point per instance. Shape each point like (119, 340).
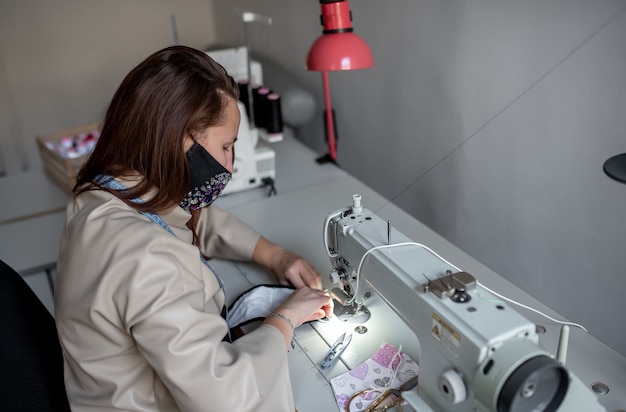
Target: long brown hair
(175, 91)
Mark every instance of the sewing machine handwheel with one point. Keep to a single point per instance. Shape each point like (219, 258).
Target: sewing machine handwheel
(538, 381)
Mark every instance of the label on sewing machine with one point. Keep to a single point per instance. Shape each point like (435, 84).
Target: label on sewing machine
(445, 334)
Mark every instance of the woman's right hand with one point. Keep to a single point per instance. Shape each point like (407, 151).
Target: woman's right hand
(303, 305)
(306, 304)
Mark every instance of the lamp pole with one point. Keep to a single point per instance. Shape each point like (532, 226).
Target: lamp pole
(330, 121)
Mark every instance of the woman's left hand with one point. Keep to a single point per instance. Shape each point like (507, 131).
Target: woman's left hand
(288, 267)
(291, 269)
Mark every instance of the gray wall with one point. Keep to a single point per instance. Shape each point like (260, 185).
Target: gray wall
(488, 120)
(61, 61)
(499, 115)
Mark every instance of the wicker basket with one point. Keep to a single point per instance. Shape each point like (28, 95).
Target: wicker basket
(62, 169)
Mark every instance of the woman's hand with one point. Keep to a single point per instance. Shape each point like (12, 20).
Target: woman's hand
(289, 268)
(306, 304)
(303, 305)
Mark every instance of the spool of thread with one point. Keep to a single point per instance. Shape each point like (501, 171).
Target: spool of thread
(274, 116)
(243, 95)
(260, 106)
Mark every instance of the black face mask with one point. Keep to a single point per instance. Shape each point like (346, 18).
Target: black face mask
(208, 178)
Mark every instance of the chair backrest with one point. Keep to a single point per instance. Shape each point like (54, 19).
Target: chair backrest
(31, 362)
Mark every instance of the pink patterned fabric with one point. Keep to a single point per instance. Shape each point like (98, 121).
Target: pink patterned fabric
(373, 373)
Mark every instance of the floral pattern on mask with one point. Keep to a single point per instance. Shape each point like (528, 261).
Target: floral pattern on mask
(208, 178)
(205, 194)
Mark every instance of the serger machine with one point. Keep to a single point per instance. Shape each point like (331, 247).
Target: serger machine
(253, 161)
(475, 352)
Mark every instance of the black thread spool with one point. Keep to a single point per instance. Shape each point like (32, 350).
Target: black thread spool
(260, 106)
(274, 123)
(243, 95)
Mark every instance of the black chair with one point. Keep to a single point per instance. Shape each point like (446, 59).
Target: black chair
(31, 362)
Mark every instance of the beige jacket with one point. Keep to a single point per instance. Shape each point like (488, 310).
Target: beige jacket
(138, 315)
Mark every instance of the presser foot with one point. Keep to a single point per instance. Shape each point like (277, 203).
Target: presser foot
(351, 313)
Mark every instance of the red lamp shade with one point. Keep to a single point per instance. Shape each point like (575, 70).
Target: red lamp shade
(338, 48)
(339, 51)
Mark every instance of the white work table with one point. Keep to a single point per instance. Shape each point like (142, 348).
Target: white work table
(295, 219)
(27, 195)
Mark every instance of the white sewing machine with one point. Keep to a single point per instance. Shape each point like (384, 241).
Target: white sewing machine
(475, 352)
(254, 161)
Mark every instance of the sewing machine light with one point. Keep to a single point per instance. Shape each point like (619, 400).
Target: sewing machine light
(336, 326)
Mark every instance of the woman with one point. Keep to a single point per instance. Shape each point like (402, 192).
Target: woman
(138, 310)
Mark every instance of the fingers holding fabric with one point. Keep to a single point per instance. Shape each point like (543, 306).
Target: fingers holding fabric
(306, 304)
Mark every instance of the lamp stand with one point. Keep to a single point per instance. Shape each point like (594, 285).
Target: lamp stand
(329, 123)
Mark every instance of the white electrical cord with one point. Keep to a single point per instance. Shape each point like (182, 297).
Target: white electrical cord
(358, 278)
(532, 309)
(358, 272)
